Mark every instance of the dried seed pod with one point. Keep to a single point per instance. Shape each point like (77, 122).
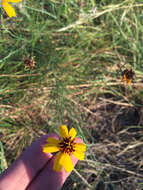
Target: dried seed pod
(29, 62)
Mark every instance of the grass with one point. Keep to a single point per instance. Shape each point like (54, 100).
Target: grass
(76, 80)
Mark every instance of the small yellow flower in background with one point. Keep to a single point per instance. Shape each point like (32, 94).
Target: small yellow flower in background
(8, 8)
(127, 75)
(124, 78)
(66, 146)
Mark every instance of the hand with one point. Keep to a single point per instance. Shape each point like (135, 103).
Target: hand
(33, 170)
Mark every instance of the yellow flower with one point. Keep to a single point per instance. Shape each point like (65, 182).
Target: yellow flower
(124, 78)
(8, 8)
(66, 146)
(127, 75)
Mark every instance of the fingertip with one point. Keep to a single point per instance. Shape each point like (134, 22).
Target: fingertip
(78, 140)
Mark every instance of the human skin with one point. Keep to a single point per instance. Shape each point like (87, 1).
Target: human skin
(33, 170)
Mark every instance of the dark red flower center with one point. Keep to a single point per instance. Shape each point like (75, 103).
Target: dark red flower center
(67, 145)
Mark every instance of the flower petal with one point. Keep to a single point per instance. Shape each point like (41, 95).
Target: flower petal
(58, 162)
(81, 147)
(67, 164)
(14, 1)
(79, 155)
(124, 77)
(9, 9)
(64, 131)
(129, 81)
(53, 141)
(4, 1)
(72, 133)
(49, 148)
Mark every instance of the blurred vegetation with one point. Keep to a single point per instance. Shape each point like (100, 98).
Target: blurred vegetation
(61, 63)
